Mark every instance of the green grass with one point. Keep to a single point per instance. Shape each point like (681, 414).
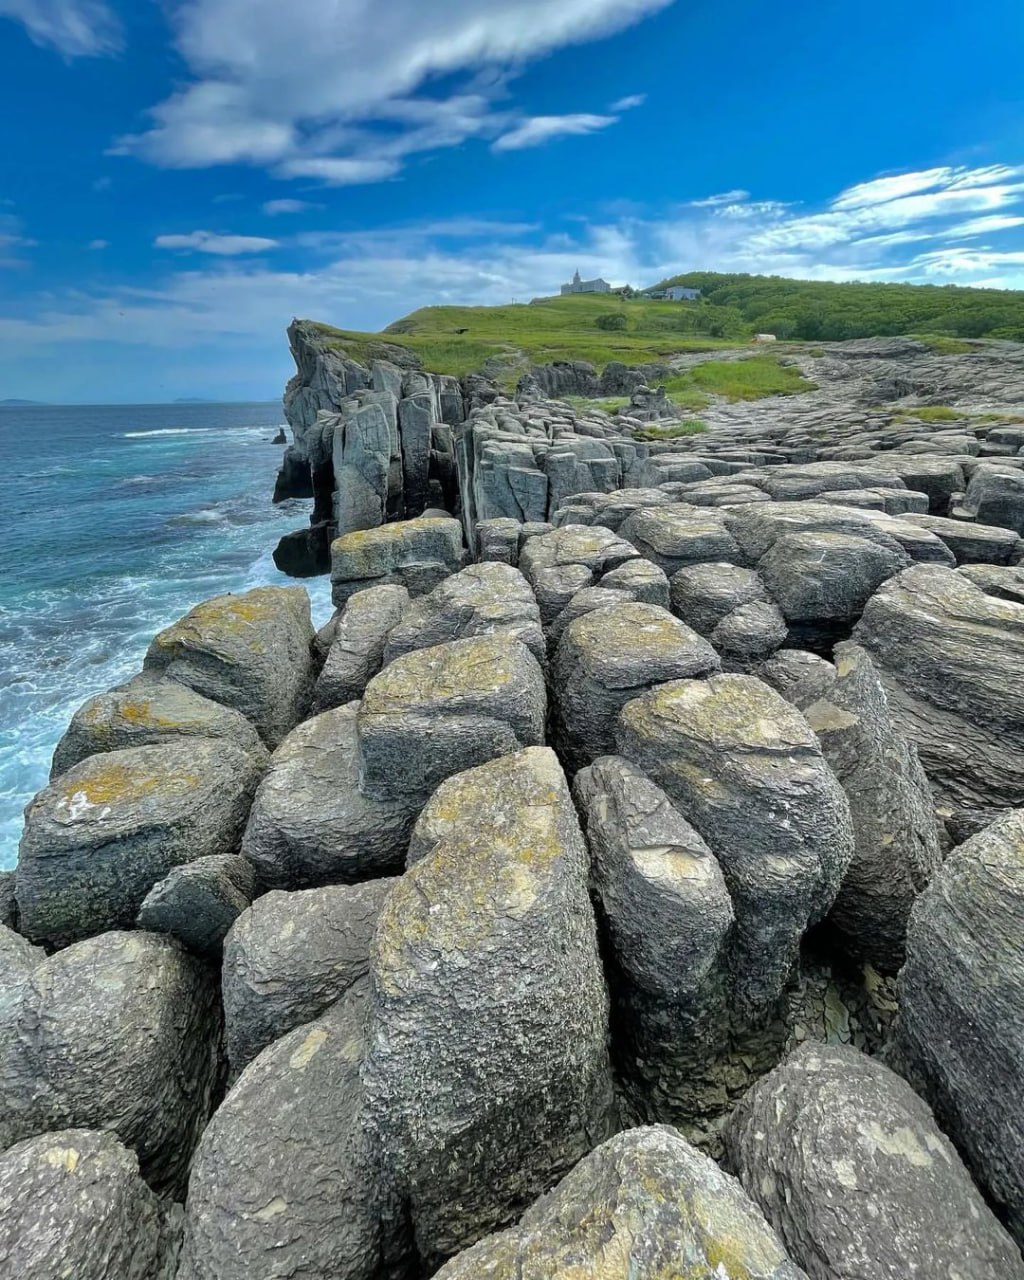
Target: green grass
(751, 379)
(542, 332)
(932, 413)
(943, 345)
(691, 427)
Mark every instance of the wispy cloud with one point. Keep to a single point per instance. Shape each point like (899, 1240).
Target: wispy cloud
(99, 244)
(628, 104)
(222, 246)
(537, 130)
(75, 28)
(723, 198)
(307, 95)
(274, 208)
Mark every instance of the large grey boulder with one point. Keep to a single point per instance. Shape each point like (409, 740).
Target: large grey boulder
(745, 768)
(74, 1206)
(667, 919)
(103, 834)
(948, 654)
(644, 581)
(311, 824)
(438, 711)
(200, 901)
(284, 1181)
(289, 957)
(854, 1174)
(827, 577)
(644, 1206)
(895, 829)
(610, 656)
(974, 543)
(415, 554)
(960, 1033)
(356, 652)
(252, 652)
(481, 600)
(118, 1032)
(995, 496)
(677, 535)
(560, 563)
(801, 677)
(704, 595)
(488, 1073)
(145, 712)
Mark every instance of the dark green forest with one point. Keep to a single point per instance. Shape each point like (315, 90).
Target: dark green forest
(818, 310)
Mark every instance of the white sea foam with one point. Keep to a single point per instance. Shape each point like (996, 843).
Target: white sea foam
(166, 431)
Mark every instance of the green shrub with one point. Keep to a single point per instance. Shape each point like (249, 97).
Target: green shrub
(612, 322)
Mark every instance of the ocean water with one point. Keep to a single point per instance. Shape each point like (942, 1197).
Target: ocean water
(117, 520)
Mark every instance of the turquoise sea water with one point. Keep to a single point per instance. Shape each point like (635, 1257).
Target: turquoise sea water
(117, 520)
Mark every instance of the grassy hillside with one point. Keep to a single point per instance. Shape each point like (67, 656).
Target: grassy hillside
(592, 327)
(818, 310)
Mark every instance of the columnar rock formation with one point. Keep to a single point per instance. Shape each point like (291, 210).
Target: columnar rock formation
(613, 797)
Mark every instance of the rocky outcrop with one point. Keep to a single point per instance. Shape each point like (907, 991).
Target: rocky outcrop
(643, 1206)
(851, 1170)
(200, 901)
(960, 1035)
(484, 1090)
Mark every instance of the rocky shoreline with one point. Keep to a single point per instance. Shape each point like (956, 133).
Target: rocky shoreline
(628, 882)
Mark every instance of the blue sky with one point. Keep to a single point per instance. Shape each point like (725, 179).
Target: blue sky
(178, 180)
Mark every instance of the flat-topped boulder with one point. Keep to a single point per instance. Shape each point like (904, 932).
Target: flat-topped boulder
(974, 543)
(75, 1206)
(822, 576)
(643, 1206)
(481, 600)
(147, 712)
(743, 766)
(118, 1032)
(677, 535)
(251, 652)
(435, 712)
(198, 902)
(103, 834)
(292, 955)
(356, 651)
(610, 656)
(485, 1090)
(948, 653)
(852, 1171)
(312, 824)
(644, 581)
(995, 496)
(415, 554)
(960, 1033)
(285, 1180)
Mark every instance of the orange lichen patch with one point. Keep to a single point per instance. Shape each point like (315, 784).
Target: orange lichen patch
(113, 783)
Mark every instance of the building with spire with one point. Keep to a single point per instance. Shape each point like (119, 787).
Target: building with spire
(576, 285)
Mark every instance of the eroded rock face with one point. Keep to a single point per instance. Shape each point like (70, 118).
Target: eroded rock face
(435, 712)
(895, 830)
(357, 645)
(311, 824)
(484, 1090)
(483, 599)
(851, 1169)
(252, 652)
(744, 767)
(960, 1033)
(118, 1032)
(103, 834)
(560, 563)
(415, 554)
(607, 658)
(200, 901)
(947, 653)
(643, 1206)
(74, 1205)
(291, 956)
(285, 1180)
(148, 712)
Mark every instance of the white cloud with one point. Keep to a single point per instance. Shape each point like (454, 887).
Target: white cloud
(75, 28)
(723, 198)
(220, 245)
(273, 208)
(986, 226)
(540, 129)
(627, 104)
(99, 244)
(328, 88)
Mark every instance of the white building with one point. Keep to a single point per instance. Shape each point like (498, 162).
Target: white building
(576, 285)
(674, 293)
